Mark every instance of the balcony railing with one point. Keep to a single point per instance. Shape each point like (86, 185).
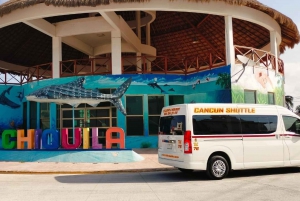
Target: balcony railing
(143, 65)
(140, 65)
(92, 66)
(35, 73)
(261, 58)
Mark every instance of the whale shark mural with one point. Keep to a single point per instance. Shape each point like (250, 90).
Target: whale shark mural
(5, 101)
(73, 93)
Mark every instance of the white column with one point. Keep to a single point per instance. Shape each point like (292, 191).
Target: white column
(230, 57)
(116, 53)
(148, 42)
(93, 64)
(138, 33)
(274, 47)
(138, 23)
(139, 61)
(148, 34)
(56, 56)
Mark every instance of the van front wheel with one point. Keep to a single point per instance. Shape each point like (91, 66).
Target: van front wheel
(217, 167)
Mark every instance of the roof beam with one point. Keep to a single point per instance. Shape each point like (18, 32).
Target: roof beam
(199, 32)
(42, 25)
(78, 45)
(82, 26)
(50, 30)
(118, 23)
(202, 21)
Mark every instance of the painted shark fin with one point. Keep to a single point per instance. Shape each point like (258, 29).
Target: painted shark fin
(122, 89)
(118, 103)
(8, 90)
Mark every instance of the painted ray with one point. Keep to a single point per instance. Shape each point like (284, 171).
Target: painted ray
(73, 93)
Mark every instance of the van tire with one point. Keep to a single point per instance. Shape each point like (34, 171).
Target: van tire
(217, 167)
(185, 170)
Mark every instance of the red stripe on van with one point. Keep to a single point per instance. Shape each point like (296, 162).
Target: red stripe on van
(217, 136)
(234, 136)
(260, 135)
(292, 135)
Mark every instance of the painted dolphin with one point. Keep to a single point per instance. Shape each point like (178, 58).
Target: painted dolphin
(155, 85)
(73, 93)
(5, 101)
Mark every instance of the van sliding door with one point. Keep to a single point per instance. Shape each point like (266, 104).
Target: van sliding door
(263, 146)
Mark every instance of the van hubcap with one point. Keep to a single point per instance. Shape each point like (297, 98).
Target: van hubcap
(218, 168)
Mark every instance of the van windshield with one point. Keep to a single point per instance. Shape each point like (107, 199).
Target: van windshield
(172, 125)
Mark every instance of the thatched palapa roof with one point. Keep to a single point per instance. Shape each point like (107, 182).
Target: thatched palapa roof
(172, 32)
(290, 33)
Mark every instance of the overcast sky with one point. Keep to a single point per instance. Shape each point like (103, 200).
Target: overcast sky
(291, 57)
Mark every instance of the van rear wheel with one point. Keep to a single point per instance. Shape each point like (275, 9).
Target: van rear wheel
(185, 170)
(217, 167)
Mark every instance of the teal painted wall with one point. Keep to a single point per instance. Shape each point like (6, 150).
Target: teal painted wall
(11, 98)
(141, 142)
(205, 86)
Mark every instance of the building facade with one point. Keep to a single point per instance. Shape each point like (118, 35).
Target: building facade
(174, 52)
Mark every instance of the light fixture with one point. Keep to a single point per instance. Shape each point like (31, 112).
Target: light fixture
(195, 40)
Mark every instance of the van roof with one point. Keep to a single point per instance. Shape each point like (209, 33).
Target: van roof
(226, 104)
(244, 104)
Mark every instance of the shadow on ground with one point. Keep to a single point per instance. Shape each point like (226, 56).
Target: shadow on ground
(167, 176)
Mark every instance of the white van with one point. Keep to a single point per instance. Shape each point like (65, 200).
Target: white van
(223, 137)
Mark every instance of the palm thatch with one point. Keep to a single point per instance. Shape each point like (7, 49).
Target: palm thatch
(290, 33)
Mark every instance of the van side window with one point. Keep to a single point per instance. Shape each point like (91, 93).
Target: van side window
(216, 124)
(291, 124)
(234, 124)
(258, 124)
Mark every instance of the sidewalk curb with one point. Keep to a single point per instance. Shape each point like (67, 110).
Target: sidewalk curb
(90, 172)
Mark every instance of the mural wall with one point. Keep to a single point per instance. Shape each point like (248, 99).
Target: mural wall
(211, 86)
(11, 98)
(206, 86)
(259, 79)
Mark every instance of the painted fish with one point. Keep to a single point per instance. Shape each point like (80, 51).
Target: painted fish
(21, 95)
(73, 93)
(197, 82)
(155, 85)
(5, 101)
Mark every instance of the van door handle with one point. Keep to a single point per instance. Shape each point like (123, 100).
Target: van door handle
(172, 141)
(287, 137)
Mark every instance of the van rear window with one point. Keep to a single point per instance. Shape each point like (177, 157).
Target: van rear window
(172, 125)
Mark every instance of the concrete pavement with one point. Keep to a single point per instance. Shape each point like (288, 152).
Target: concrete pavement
(150, 163)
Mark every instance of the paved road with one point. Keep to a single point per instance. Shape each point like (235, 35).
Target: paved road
(271, 184)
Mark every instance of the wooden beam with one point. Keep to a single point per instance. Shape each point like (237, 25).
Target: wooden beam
(196, 29)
